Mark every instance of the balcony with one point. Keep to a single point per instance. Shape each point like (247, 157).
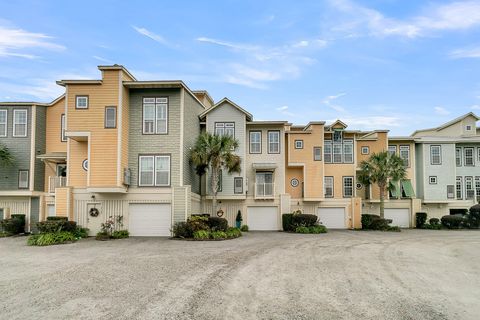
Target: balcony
(264, 190)
(56, 182)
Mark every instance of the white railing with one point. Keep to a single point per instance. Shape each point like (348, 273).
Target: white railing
(56, 182)
(264, 190)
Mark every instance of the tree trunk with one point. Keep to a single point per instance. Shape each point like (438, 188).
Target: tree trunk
(214, 184)
(382, 201)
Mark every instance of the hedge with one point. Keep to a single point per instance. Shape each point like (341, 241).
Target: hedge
(452, 221)
(421, 218)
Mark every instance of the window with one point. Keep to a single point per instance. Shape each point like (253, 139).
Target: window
(477, 187)
(220, 181)
(347, 187)
(392, 150)
(238, 185)
(432, 179)
(337, 136)
(3, 123)
(327, 151)
(317, 153)
(264, 184)
(19, 123)
(478, 154)
(458, 157)
(450, 191)
(23, 179)
(155, 115)
(365, 150)
(328, 187)
(337, 152)
(469, 188)
(298, 144)
(459, 188)
(273, 141)
(469, 158)
(81, 102)
(111, 117)
(469, 128)
(348, 151)
(255, 142)
(405, 155)
(225, 129)
(154, 170)
(63, 138)
(436, 155)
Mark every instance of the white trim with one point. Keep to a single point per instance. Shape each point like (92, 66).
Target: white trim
(32, 146)
(6, 123)
(182, 127)
(26, 122)
(81, 97)
(68, 161)
(155, 170)
(88, 158)
(119, 116)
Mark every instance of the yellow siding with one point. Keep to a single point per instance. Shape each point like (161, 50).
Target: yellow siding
(53, 131)
(376, 146)
(61, 202)
(50, 169)
(297, 173)
(338, 171)
(77, 177)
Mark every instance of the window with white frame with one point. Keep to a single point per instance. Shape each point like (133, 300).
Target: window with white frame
(337, 136)
(155, 115)
(348, 151)
(432, 179)
(81, 102)
(273, 141)
(405, 155)
(469, 160)
(19, 123)
(3, 123)
(317, 153)
(225, 129)
(478, 154)
(238, 185)
(469, 188)
(327, 151)
(450, 191)
(347, 187)
(63, 137)
(255, 142)
(328, 187)
(436, 155)
(111, 117)
(220, 181)
(337, 152)
(459, 188)
(154, 170)
(23, 177)
(298, 144)
(264, 184)
(392, 150)
(365, 150)
(477, 187)
(458, 157)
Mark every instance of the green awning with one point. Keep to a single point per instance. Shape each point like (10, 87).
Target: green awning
(407, 189)
(394, 189)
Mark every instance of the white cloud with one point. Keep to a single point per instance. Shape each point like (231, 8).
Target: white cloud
(441, 111)
(372, 122)
(102, 59)
(15, 42)
(465, 53)
(149, 34)
(476, 107)
(284, 110)
(328, 101)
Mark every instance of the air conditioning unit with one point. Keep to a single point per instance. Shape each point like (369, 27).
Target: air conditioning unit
(127, 176)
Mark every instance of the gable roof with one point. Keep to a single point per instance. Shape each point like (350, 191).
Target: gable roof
(449, 123)
(343, 124)
(226, 100)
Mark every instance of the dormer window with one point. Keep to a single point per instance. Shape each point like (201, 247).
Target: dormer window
(337, 136)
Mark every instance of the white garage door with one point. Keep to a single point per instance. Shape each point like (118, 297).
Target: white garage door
(332, 218)
(400, 217)
(262, 218)
(150, 219)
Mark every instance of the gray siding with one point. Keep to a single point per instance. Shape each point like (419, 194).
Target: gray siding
(153, 143)
(20, 149)
(191, 132)
(34, 213)
(419, 170)
(445, 173)
(40, 148)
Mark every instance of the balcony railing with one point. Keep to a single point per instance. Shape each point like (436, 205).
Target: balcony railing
(56, 182)
(264, 190)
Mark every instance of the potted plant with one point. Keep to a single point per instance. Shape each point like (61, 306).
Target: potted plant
(106, 230)
(239, 219)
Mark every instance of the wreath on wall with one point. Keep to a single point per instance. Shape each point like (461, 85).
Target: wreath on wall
(220, 213)
(94, 212)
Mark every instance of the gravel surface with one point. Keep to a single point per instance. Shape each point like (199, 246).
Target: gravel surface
(415, 274)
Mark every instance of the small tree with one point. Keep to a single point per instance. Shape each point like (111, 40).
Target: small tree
(380, 169)
(6, 158)
(214, 153)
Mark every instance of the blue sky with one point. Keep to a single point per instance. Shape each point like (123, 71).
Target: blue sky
(376, 64)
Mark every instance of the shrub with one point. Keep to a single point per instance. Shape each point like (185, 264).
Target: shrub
(217, 224)
(317, 229)
(201, 234)
(14, 225)
(367, 220)
(434, 221)
(218, 235)
(302, 229)
(287, 222)
(102, 236)
(421, 218)
(233, 233)
(56, 226)
(244, 228)
(304, 220)
(50, 238)
(181, 230)
(473, 218)
(196, 223)
(57, 218)
(81, 232)
(437, 226)
(374, 222)
(452, 221)
(120, 234)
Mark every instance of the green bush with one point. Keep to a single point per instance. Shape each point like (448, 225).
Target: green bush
(304, 220)
(374, 222)
(434, 221)
(56, 225)
(181, 230)
(473, 217)
(81, 233)
(57, 218)
(429, 226)
(244, 228)
(367, 220)
(102, 236)
(218, 235)
(217, 224)
(302, 229)
(287, 222)
(421, 218)
(120, 234)
(50, 238)
(14, 225)
(317, 229)
(233, 233)
(201, 235)
(452, 221)
(196, 223)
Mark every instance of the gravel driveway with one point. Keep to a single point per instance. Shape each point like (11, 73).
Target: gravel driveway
(340, 275)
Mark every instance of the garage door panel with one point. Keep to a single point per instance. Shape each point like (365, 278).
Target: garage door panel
(150, 220)
(262, 218)
(399, 217)
(332, 218)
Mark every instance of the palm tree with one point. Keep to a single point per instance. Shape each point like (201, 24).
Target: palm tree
(215, 153)
(382, 168)
(6, 158)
